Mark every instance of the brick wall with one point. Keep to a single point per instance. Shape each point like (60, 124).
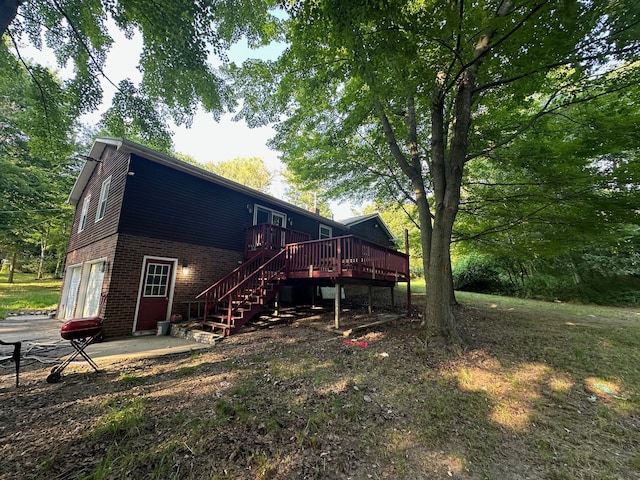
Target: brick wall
(206, 265)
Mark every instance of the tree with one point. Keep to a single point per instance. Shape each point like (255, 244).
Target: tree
(402, 95)
(36, 124)
(306, 195)
(251, 172)
(518, 207)
(179, 37)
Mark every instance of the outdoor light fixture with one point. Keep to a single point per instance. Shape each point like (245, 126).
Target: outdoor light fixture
(185, 268)
(104, 267)
(249, 208)
(89, 159)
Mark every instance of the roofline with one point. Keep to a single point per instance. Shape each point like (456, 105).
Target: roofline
(364, 218)
(127, 146)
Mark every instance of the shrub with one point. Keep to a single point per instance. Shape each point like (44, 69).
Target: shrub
(477, 273)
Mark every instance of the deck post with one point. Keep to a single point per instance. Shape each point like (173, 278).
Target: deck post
(277, 305)
(313, 296)
(370, 299)
(406, 249)
(393, 298)
(337, 305)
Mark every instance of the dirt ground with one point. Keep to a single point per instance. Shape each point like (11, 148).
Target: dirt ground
(289, 400)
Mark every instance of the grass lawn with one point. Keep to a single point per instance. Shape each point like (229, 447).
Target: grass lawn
(27, 294)
(537, 391)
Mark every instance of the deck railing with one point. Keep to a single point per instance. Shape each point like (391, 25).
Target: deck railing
(346, 256)
(270, 239)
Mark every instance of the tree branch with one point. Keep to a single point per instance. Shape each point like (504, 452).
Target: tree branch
(29, 70)
(544, 112)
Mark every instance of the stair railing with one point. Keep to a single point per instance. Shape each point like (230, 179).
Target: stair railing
(252, 276)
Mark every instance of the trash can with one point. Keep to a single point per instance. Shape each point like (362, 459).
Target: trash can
(163, 328)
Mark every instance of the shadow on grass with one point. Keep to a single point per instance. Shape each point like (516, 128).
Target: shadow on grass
(296, 403)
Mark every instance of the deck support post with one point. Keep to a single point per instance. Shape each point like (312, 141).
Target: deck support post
(406, 249)
(337, 305)
(370, 299)
(276, 305)
(313, 296)
(393, 297)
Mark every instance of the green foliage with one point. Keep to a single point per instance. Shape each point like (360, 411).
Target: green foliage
(306, 195)
(36, 168)
(179, 40)
(134, 115)
(476, 273)
(570, 185)
(251, 172)
(392, 101)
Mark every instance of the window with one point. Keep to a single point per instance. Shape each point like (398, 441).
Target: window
(266, 215)
(325, 232)
(157, 280)
(102, 204)
(83, 215)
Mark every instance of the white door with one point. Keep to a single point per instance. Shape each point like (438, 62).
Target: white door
(94, 291)
(71, 284)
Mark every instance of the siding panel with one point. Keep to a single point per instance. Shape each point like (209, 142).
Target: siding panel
(112, 164)
(164, 203)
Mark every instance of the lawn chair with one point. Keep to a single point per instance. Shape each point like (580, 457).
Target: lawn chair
(15, 357)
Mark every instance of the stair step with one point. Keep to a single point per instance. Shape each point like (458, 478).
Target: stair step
(235, 313)
(211, 324)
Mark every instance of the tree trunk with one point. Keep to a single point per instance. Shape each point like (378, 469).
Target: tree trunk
(43, 251)
(12, 267)
(440, 296)
(8, 11)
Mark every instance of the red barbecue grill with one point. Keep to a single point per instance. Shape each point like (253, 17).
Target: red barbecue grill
(82, 332)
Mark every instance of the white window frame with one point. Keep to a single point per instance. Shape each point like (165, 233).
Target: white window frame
(272, 213)
(328, 229)
(82, 296)
(102, 203)
(84, 214)
(90, 293)
(70, 291)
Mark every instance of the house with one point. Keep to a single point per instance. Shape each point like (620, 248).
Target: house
(153, 236)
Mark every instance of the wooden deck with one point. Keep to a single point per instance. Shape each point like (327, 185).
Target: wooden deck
(345, 257)
(331, 258)
(271, 262)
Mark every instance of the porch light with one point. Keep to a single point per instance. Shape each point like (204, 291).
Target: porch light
(185, 268)
(249, 208)
(104, 266)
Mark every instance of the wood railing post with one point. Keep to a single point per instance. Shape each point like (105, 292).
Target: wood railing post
(337, 305)
(408, 272)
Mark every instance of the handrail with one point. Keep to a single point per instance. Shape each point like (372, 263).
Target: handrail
(228, 287)
(260, 269)
(348, 255)
(269, 237)
(248, 267)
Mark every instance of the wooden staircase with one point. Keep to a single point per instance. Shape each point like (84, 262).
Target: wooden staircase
(235, 299)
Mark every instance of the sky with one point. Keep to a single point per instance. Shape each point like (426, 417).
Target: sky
(206, 140)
